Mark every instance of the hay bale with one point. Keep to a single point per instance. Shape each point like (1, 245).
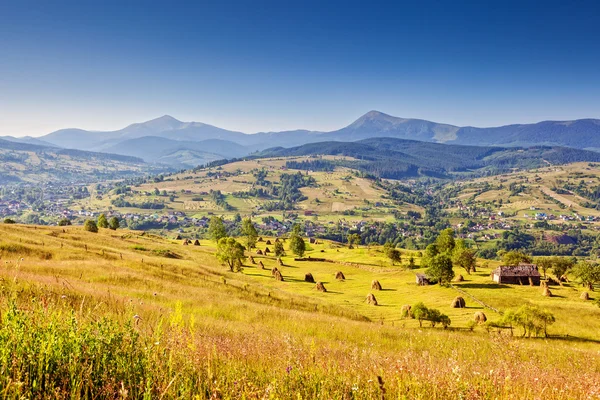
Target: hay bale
(340, 276)
(552, 281)
(186, 242)
(585, 296)
(375, 285)
(371, 299)
(309, 278)
(196, 242)
(405, 311)
(268, 242)
(267, 250)
(259, 252)
(278, 276)
(273, 271)
(178, 237)
(260, 239)
(279, 261)
(480, 317)
(261, 265)
(252, 260)
(564, 278)
(547, 292)
(543, 284)
(458, 302)
(277, 240)
(459, 278)
(320, 287)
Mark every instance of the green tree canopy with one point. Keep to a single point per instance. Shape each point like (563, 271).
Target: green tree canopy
(90, 226)
(464, 257)
(230, 253)
(216, 229)
(102, 221)
(278, 249)
(297, 244)
(588, 273)
(445, 241)
(114, 223)
(440, 269)
(249, 231)
(514, 258)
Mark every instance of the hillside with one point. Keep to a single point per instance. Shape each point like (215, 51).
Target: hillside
(398, 158)
(32, 163)
(196, 329)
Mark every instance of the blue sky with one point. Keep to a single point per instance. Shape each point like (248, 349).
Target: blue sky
(260, 65)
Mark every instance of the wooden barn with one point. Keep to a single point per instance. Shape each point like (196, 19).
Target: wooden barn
(422, 280)
(522, 274)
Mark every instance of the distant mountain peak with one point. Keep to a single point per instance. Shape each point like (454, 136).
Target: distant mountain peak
(374, 114)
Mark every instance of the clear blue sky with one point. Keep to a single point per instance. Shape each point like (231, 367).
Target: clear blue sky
(260, 65)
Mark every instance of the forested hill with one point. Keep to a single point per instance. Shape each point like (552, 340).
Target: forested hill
(399, 158)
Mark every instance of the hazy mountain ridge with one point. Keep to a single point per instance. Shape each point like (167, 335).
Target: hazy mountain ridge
(582, 134)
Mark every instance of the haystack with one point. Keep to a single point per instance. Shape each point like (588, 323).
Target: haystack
(552, 281)
(267, 250)
(259, 252)
(340, 276)
(320, 287)
(480, 317)
(585, 296)
(178, 237)
(375, 285)
(268, 242)
(196, 242)
(186, 242)
(371, 299)
(564, 278)
(279, 261)
(405, 311)
(458, 302)
(278, 276)
(547, 292)
(543, 284)
(260, 239)
(459, 278)
(252, 260)
(309, 278)
(277, 240)
(274, 270)
(261, 265)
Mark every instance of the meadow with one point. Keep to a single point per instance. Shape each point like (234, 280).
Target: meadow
(126, 314)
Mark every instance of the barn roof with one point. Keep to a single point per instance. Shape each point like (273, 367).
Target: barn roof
(519, 270)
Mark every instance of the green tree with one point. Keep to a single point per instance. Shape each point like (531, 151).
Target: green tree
(114, 223)
(102, 221)
(216, 229)
(514, 258)
(297, 245)
(588, 273)
(64, 222)
(354, 239)
(249, 231)
(543, 263)
(419, 312)
(561, 265)
(440, 269)
(532, 319)
(430, 253)
(445, 241)
(90, 226)
(278, 249)
(392, 253)
(9, 221)
(230, 253)
(464, 257)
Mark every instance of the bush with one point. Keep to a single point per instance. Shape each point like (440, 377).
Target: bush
(9, 221)
(64, 222)
(90, 226)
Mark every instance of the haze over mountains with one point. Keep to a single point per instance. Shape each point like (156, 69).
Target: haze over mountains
(184, 144)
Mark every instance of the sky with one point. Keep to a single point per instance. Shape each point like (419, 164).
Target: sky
(268, 66)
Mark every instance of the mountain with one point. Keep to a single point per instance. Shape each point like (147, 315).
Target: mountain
(162, 150)
(582, 134)
(27, 140)
(400, 158)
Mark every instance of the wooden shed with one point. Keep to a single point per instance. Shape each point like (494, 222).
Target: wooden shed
(522, 274)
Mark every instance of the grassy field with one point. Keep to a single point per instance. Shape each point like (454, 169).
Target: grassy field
(124, 314)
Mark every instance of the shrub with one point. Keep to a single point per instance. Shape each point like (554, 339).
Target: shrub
(9, 221)
(90, 226)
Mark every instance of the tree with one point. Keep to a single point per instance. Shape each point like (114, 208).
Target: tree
(249, 231)
(560, 266)
(588, 273)
(464, 257)
(440, 269)
(230, 253)
(430, 253)
(64, 222)
(278, 249)
(392, 253)
(445, 241)
(9, 221)
(532, 319)
(216, 229)
(297, 245)
(419, 312)
(102, 221)
(354, 239)
(90, 226)
(114, 223)
(544, 263)
(514, 258)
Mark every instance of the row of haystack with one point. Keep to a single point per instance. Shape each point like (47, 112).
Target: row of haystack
(187, 242)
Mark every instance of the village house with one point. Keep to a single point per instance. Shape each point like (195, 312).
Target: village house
(522, 274)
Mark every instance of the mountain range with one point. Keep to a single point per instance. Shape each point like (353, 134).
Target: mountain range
(169, 141)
